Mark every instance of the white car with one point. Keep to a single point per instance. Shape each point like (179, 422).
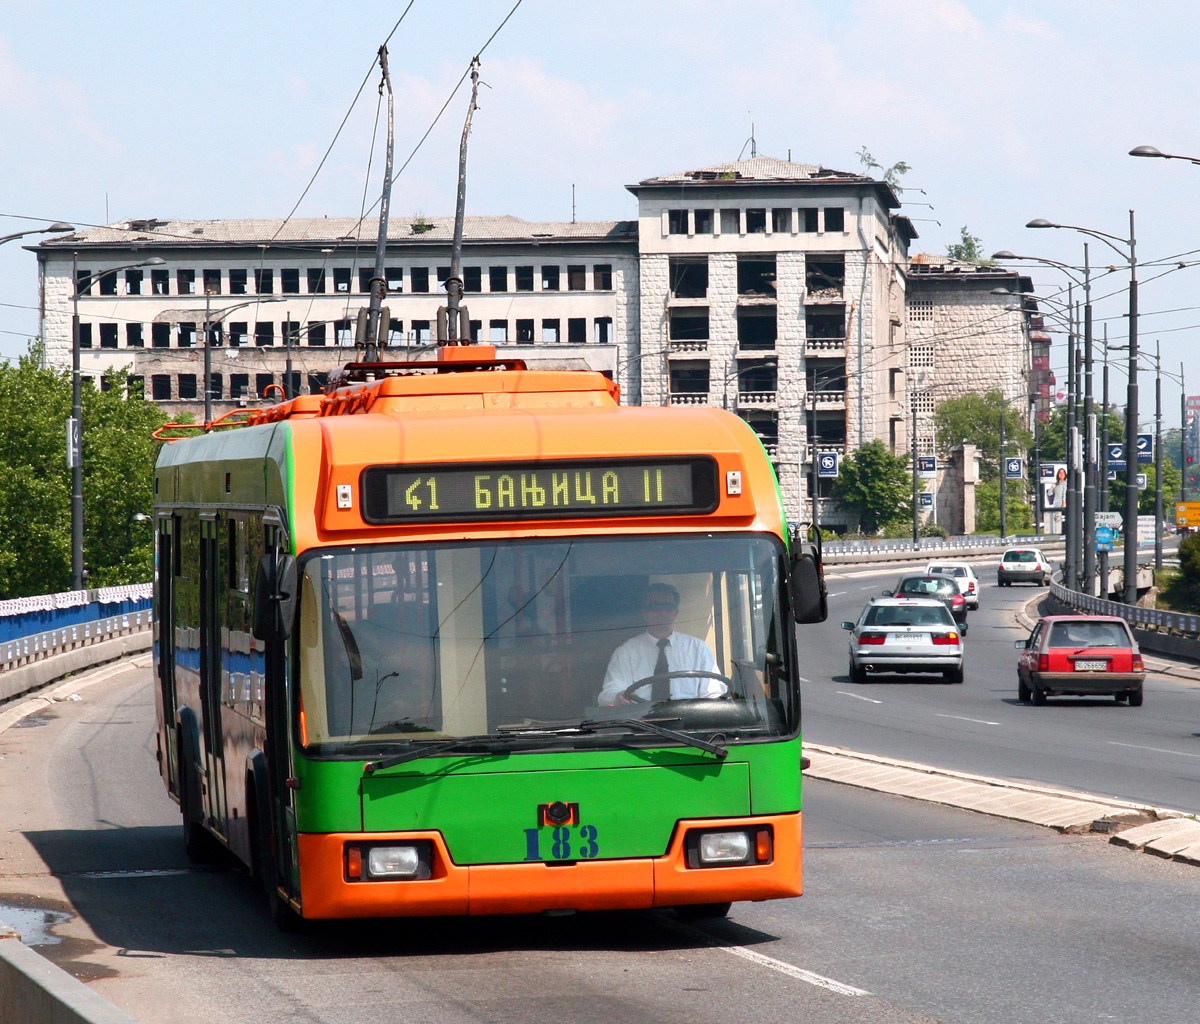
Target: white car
(905, 635)
(1023, 565)
(964, 576)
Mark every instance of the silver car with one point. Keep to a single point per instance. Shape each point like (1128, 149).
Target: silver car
(896, 634)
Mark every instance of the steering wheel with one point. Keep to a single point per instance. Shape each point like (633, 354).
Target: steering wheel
(687, 673)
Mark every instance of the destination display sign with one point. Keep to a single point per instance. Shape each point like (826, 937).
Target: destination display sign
(563, 489)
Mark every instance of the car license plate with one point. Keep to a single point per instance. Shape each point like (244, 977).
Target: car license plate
(908, 638)
(1091, 666)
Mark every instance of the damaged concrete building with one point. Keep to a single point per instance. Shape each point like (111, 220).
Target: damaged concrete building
(781, 291)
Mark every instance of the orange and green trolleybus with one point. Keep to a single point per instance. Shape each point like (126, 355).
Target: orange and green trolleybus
(460, 637)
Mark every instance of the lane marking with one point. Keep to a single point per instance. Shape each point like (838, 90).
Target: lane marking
(859, 696)
(838, 593)
(1156, 750)
(803, 680)
(791, 970)
(977, 721)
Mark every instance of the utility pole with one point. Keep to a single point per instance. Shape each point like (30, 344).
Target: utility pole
(915, 509)
(1158, 459)
(1089, 423)
(1131, 416)
(1070, 566)
(1003, 474)
(369, 335)
(454, 324)
(1182, 436)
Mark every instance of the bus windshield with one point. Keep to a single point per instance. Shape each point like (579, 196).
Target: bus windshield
(398, 645)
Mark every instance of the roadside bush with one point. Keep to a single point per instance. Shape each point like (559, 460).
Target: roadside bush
(1183, 592)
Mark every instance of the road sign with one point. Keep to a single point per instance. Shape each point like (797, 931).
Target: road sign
(1145, 446)
(1113, 519)
(1014, 469)
(1187, 513)
(925, 500)
(1116, 453)
(1046, 471)
(927, 466)
(828, 464)
(1104, 538)
(1115, 467)
(1145, 532)
(1141, 481)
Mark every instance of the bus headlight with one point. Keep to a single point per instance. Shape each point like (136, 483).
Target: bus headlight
(393, 862)
(724, 848)
(388, 861)
(729, 847)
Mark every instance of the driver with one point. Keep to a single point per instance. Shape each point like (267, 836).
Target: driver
(657, 651)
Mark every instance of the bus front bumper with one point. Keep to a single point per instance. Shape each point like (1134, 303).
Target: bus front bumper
(530, 888)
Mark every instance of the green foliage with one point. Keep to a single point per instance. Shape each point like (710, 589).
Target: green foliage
(1053, 447)
(889, 174)
(969, 249)
(975, 418)
(987, 508)
(875, 486)
(1183, 592)
(1171, 480)
(932, 529)
(35, 484)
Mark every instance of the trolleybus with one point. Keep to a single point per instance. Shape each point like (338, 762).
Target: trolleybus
(398, 631)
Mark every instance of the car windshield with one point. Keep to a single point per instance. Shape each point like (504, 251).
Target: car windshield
(898, 615)
(927, 585)
(1088, 634)
(399, 645)
(1020, 556)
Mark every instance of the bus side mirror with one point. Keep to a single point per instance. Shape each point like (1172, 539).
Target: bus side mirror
(274, 596)
(806, 582)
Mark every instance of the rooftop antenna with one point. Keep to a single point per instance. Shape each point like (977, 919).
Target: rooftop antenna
(572, 202)
(372, 321)
(750, 141)
(454, 324)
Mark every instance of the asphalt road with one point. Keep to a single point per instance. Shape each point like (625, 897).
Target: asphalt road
(913, 912)
(1149, 754)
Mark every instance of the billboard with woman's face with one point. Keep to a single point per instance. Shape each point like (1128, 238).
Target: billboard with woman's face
(1052, 485)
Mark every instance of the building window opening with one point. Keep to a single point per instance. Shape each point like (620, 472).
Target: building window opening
(395, 336)
(216, 385)
(766, 426)
(239, 384)
(689, 323)
(689, 277)
(160, 335)
(781, 220)
(341, 280)
(920, 356)
(185, 282)
(212, 282)
(920, 310)
(264, 281)
(550, 279)
(364, 279)
(476, 327)
(825, 375)
(497, 279)
(756, 222)
(809, 218)
(835, 218)
(826, 324)
(420, 329)
(239, 334)
(317, 382)
(289, 280)
(264, 334)
(316, 335)
(343, 332)
(187, 335)
(677, 222)
(160, 282)
(108, 335)
(316, 280)
(524, 279)
(830, 432)
(731, 222)
(108, 283)
(418, 279)
(133, 281)
(498, 331)
(756, 275)
(289, 331)
(703, 221)
(135, 386)
(757, 378)
(576, 278)
(550, 332)
(187, 385)
(824, 278)
(472, 279)
(689, 379)
(602, 330)
(237, 282)
(214, 335)
(85, 335)
(133, 336)
(83, 282)
(524, 332)
(602, 277)
(757, 327)
(262, 381)
(577, 330)
(160, 386)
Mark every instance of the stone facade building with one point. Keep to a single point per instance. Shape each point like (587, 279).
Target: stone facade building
(781, 291)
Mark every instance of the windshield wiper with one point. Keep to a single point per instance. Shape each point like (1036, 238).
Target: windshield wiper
(486, 744)
(715, 746)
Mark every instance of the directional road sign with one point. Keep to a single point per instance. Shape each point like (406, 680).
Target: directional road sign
(1104, 538)
(1014, 469)
(1145, 446)
(927, 466)
(925, 500)
(1113, 519)
(827, 465)
(1187, 513)
(1116, 467)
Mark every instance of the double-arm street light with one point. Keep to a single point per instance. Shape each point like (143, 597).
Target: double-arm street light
(75, 424)
(1129, 254)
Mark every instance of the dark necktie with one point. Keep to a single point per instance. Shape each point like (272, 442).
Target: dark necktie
(660, 689)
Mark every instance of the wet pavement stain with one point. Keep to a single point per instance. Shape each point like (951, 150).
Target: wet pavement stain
(36, 918)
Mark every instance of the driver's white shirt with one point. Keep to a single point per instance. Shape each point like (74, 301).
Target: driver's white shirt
(635, 659)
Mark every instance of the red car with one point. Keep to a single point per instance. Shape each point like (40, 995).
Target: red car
(1080, 655)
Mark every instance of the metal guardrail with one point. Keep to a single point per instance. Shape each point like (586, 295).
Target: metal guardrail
(27, 649)
(852, 547)
(1143, 618)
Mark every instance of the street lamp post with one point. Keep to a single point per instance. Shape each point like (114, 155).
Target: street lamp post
(75, 424)
(1158, 460)
(1131, 491)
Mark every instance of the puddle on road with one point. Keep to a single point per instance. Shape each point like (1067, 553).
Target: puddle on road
(34, 923)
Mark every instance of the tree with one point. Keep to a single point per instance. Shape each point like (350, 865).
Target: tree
(1171, 481)
(987, 508)
(968, 249)
(889, 174)
(1053, 446)
(975, 418)
(875, 486)
(35, 484)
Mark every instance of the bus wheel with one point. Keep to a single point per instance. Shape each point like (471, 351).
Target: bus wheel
(699, 911)
(199, 844)
(264, 870)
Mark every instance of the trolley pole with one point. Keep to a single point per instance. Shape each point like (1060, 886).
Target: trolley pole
(373, 341)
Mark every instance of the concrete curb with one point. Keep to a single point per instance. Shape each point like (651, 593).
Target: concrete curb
(21, 680)
(1165, 833)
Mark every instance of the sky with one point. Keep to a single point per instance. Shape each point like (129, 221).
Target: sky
(1005, 112)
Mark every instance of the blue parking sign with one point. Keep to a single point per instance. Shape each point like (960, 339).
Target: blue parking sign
(827, 465)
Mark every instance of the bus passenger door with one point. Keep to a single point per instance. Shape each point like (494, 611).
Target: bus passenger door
(164, 650)
(210, 674)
